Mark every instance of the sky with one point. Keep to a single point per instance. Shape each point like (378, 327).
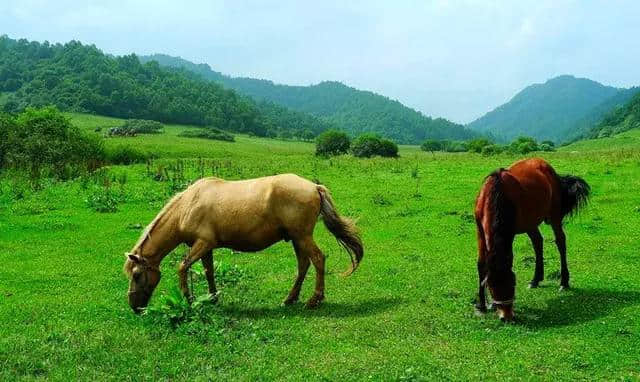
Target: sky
(451, 59)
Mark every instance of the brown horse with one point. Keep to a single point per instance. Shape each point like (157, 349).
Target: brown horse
(515, 201)
(248, 215)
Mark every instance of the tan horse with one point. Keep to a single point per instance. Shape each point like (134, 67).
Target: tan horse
(249, 216)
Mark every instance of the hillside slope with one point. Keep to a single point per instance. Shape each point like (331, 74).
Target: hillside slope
(561, 108)
(77, 77)
(352, 110)
(621, 119)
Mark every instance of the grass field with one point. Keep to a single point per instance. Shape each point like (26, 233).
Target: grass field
(406, 314)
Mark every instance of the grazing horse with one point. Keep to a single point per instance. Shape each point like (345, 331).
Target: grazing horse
(248, 215)
(515, 201)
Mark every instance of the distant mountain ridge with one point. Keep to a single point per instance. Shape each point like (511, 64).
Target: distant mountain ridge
(560, 109)
(355, 111)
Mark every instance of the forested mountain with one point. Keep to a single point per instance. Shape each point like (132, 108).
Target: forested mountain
(77, 77)
(620, 119)
(352, 110)
(560, 109)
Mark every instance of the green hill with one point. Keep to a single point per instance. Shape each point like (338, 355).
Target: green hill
(352, 110)
(621, 119)
(560, 109)
(77, 77)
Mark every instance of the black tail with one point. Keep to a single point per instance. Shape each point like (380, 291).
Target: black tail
(575, 194)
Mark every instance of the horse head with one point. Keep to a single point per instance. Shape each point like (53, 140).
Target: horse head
(144, 277)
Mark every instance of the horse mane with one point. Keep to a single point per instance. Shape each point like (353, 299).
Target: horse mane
(128, 266)
(503, 215)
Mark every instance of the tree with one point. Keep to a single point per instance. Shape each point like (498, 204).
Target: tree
(523, 145)
(476, 145)
(332, 142)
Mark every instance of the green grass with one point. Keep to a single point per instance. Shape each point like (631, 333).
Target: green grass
(405, 314)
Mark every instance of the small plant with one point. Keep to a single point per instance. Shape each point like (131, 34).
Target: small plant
(103, 199)
(174, 308)
(228, 274)
(380, 200)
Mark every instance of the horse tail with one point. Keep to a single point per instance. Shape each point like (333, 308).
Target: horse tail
(344, 229)
(574, 194)
(502, 219)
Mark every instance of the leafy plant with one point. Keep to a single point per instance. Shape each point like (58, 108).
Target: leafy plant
(332, 142)
(103, 199)
(368, 145)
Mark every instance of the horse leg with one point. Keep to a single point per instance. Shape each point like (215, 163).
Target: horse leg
(537, 241)
(309, 248)
(561, 243)
(199, 249)
(481, 304)
(303, 267)
(207, 263)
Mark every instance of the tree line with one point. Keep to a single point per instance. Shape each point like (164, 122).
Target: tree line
(77, 77)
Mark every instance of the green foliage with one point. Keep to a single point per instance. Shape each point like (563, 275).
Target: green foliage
(476, 145)
(431, 145)
(40, 140)
(491, 149)
(131, 127)
(332, 142)
(343, 107)
(125, 154)
(103, 199)
(209, 133)
(369, 145)
(523, 145)
(619, 120)
(555, 110)
(174, 309)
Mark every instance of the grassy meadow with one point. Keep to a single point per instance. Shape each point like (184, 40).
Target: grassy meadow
(406, 314)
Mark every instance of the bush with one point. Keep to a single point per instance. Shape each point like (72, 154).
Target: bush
(368, 145)
(44, 139)
(131, 127)
(332, 142)
(523, 145)
(126, 155)
(476, 145)
(431, 145)
(491, 150)
(210, 133)
(547, 146)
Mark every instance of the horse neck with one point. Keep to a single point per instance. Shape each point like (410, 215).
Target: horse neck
(160, 241)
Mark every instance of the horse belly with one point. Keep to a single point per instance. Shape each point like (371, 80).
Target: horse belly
(254, 240)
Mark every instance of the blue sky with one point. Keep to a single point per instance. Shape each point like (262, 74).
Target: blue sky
(455, 59)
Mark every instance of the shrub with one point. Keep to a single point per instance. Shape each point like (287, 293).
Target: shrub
(455, 146)
(368, 145)
(431, 145)
(126, 155)
(547, 146)
(209, 133)
(476, 145)
(131, 127)
(491, 150)
(523, 145)
(332, 142)
(39, 139)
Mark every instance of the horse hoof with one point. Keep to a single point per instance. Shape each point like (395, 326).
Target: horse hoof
(491, 307)
(289, 301)
(564, 287)
(533, 285)
(314, 302)
(480, 311)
